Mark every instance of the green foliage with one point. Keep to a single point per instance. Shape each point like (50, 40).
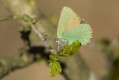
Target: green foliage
(55, 68)
(54, 57)
(68, 50)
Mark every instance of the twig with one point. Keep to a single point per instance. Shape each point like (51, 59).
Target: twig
(42, 39)
(33, 27)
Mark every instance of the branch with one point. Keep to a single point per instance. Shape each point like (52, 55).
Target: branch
(5, 18)
(20, 7)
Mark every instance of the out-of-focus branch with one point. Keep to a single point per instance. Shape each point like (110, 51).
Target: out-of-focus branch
(111, 50)
(32, 44)
(5, 18)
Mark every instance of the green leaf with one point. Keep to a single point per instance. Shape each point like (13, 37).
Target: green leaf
(55, 68)
(53, 57)
(69, 50)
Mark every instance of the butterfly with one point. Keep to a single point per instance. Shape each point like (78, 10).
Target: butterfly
(72, 28)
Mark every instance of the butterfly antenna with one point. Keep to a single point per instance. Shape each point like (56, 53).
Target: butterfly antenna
(83, 21)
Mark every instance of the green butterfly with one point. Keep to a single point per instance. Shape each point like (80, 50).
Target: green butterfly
(71, 28)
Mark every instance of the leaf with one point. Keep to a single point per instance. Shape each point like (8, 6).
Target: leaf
(53, 57)
(55, 68)
(69, 50)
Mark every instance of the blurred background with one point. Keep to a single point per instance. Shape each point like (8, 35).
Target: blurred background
(102, 15)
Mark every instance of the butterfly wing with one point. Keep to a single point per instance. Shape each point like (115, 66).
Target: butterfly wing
(67, 20)
(71, 28)
(81, 32)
